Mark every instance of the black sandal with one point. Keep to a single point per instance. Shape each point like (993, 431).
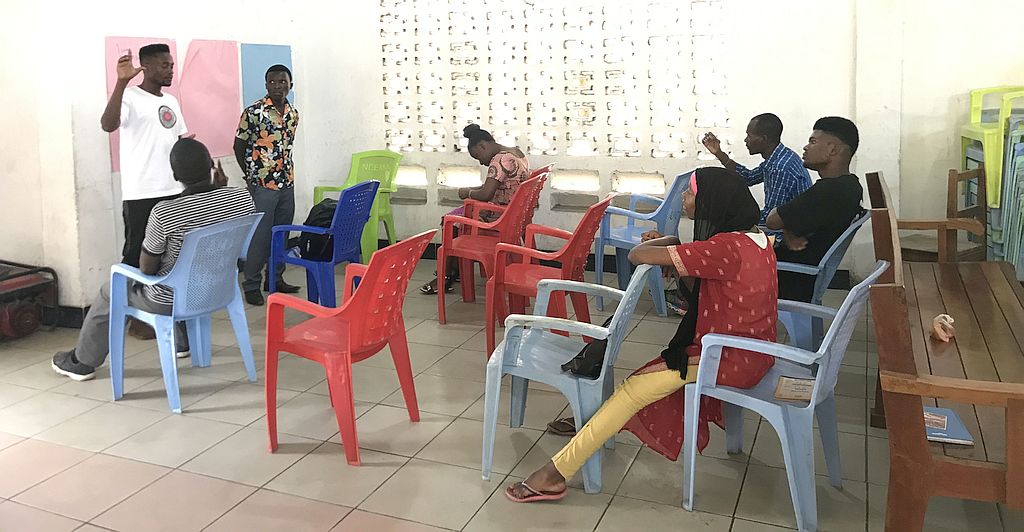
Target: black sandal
(563, 427)
(430, 288)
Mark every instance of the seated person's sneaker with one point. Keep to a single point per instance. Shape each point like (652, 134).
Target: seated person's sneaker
(254, 297)
(283, 287)
(66, 364)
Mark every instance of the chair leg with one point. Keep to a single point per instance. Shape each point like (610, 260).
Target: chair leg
(491, 395)
(312, 291)
(580, 305)
(368, 242)
(199, 341)
(389, 228)
(441, 263)
(490, 317)
(400, 356)
(236, 311)
(325, 280)
(557, 309)
(828, 427)
(588, 406)
(599, 269)
(608, 388)
(467, 280)
(623, 269)
(168, 363)
(270, 390)
(796, 436)
(517, 405)
(657, 286)
(909, 491)
(339, 381)
(733, 428)
(116, 343)
(691, 411)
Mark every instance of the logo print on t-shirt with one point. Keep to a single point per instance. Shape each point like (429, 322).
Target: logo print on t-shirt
(167, 117)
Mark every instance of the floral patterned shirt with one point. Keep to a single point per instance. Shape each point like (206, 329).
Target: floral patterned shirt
(268, 137)
(510, 171)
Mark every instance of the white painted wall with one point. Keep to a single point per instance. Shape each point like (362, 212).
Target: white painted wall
(901, 69)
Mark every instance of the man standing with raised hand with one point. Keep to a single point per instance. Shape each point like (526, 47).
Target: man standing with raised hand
(150, 122)
(263, 149)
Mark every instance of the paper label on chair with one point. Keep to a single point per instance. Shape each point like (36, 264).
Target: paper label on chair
(790, 389)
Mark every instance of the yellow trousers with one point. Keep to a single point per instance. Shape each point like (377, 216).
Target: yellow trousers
(635, 393)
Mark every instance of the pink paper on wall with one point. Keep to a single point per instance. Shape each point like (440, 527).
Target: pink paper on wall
(211, 93)
(114, 49)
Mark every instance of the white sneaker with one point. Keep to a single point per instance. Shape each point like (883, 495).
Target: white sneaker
(183, 354)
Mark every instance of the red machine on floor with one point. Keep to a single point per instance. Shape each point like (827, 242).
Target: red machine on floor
(26, 294)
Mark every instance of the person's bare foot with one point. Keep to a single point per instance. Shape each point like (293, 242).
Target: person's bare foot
(544, 481)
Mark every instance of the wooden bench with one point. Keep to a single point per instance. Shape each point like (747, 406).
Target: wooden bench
(979, 374)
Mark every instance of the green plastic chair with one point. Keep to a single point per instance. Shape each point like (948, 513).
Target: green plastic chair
(379, 165)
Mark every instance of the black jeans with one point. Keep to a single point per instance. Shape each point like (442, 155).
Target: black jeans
(136, 216)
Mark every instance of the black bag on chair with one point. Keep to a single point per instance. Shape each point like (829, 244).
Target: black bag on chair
(311, 245)
(588, 362)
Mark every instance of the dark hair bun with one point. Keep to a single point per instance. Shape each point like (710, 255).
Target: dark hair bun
(471, 131)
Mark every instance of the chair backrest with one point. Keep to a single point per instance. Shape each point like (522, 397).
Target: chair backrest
(375, 309)
(376, 165)
(352, 213)
(837, 339)
(884, 229)
(540, 171)
(978, 210)
(576, 250)
(543, 177)
(619, 326)
(205, 276)
(670, 211)
(830, 262)
(512, 223)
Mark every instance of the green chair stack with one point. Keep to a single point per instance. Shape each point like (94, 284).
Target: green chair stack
(377, 165)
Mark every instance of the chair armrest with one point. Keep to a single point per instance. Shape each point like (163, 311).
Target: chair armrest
(807, 309)
(477, 205)
(451, 219)
(557, 324)
(533, 230)
(958, 224)
(986, 393)
(628, 213)
(546, 286)
(318, 192)
(303, 228)
(793, 354)
(635, 198)
(353, 271)
(134, 274)
(796, 267)
(522, 251)
(292, 302)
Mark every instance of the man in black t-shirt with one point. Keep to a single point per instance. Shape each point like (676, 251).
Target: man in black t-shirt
(814, 220)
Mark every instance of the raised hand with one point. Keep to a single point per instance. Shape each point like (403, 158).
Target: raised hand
(711, 142)
(220, 179)
(125, 70)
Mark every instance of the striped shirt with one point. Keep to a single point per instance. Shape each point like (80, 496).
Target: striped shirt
(783, 175)
(170, 220)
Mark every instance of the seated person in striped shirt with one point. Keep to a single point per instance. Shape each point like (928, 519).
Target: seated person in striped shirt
(204, 201)
(782, 171)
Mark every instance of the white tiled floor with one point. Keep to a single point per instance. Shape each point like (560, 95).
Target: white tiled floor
(71, 459)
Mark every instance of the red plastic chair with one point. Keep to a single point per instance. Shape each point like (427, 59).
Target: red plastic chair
(365, 322)
(472, 207)
(472, 246)
(518, 279)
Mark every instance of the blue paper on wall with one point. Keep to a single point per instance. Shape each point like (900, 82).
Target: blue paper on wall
(256, 59)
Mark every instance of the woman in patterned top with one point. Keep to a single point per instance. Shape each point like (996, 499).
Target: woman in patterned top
(733, 291)
(506, 169)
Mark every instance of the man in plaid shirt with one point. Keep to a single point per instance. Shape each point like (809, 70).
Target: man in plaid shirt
(782, 171)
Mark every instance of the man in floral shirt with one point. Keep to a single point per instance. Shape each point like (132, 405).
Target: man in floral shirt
(263, 149)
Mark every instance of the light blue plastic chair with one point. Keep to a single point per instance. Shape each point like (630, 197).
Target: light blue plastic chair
(531, 351)
(624, 238)
(793, 420)
(346, 228)
(806, 332)
(204, 280)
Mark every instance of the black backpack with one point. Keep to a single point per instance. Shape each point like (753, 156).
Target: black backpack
(311, 245)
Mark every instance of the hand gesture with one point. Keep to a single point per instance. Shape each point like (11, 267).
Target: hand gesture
(794, 242)
(125, 70)
(463, 193)
(649, 235)
(220, 179)
(712, 143)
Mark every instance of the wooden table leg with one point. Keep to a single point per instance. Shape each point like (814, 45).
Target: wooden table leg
(878, 410)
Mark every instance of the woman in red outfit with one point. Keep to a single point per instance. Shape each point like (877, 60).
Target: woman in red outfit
(733, 291)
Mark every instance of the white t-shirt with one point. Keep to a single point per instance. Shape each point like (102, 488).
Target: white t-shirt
(150, 125)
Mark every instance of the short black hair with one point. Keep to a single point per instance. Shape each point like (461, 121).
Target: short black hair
(840, 128)
(768, 125)
(475, 134)
(152, 49)
(191, 161)
(278, 68)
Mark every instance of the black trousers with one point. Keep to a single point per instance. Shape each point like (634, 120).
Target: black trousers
(136, 216)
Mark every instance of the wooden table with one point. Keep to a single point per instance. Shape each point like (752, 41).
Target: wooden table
(987, 303)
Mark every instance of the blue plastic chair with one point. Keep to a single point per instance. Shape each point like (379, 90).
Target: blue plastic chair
(624, 238)
(531, 351)
(346, 228)
(204, 280)
(793, 420)
(806, 332)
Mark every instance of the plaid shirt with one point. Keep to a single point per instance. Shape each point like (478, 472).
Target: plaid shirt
(783, 175)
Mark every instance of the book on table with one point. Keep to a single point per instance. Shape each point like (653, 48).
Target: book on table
(944, 425)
